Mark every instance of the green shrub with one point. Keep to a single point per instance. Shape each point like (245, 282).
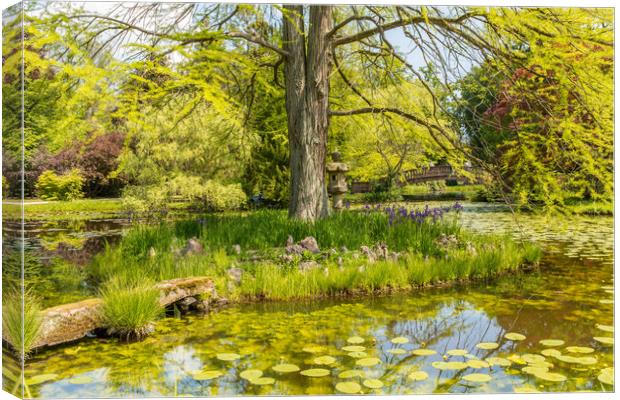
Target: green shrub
(219, 197)
(22, 334)
(68, 186)
(130, 308)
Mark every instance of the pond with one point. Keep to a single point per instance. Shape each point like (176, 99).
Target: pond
(459, 340)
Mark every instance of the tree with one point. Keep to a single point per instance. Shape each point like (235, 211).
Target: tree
(310, 41)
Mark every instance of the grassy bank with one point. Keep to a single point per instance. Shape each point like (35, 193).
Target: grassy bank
(430, 250)
(83, 209)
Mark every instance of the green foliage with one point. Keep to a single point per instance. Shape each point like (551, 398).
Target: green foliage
(129, 309)
(68, 186)
(21, 323)
(276, 283)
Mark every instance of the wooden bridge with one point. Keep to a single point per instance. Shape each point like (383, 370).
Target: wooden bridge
(415, 176)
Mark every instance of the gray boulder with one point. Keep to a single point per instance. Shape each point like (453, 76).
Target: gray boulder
(309, 243)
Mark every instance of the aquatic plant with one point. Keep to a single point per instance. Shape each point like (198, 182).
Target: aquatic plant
(129, 308)
(21, 321)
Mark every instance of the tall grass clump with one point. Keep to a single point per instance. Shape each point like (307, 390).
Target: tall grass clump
(21, 323)
(129, 309)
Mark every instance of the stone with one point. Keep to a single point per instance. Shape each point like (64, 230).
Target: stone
(193, 246)
(188, 301)
(309, 243)
(344, 249)
(294, 249)
(236, 249)
(152, 252)
(381, 251)
(370, 255)
(290, 241)
(333, 252)
(340, 262)
(309, 265)
(235, 274)
(447, 241)
(287, 258)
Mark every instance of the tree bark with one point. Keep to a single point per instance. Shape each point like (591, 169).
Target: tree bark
(306, 72)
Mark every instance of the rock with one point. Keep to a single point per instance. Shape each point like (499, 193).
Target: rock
(381, 251)
(193, 246)
(152, 252)
(188, 301)
(333, 252)
(355, 256)
(235, 274)
(471, 249)
(447, 241)
(309, 265)
(294, 249)
(290, 241)
(344, 249)
(309, 243)
(370, 255)
(236, 249)
(340, 261)
(287, 258)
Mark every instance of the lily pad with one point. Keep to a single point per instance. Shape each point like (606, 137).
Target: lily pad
(351, 373)
(607, 376)
(477, 364)
(313, 348)
(250, 374)
(532, 358)
(315, 372)
(358, 354)
(324, 360)
(534, 370)
(263, 381)
(354, 348)
(604, 340)
(579, 349)
(400, 340)
(502, 362)
(479, 378)
(396, 351)
(487, 346)
(355, 340)
(451, 365)
(606, 328)
(551, 353)
(551, 376)
(514, 336)
(227, 356)
(206, 375)
(551, 342)
(423, 352)
(285, 368)
(348, 387)
(368, 362)
(418, 376)
(457, 352)
(373, 383)
(37, 379)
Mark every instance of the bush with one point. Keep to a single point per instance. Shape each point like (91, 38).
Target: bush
(21, 334)
(218, 197)
(51, 186)
(130, 308)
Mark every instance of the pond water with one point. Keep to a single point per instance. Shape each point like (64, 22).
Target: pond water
(426, 341)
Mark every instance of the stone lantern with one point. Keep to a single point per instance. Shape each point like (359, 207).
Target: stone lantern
(337, 185)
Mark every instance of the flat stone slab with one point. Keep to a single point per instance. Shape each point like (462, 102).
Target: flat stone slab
(69, 322)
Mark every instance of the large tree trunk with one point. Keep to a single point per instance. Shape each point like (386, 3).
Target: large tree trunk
(307, 99)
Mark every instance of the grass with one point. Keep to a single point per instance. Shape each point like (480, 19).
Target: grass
(590, 207)
(75, 210)
(273, 282)
(423, 260)
(22, 334)
(129, 309)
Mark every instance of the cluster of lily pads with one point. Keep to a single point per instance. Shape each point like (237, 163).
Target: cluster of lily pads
(404, 214)
(352, 381)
